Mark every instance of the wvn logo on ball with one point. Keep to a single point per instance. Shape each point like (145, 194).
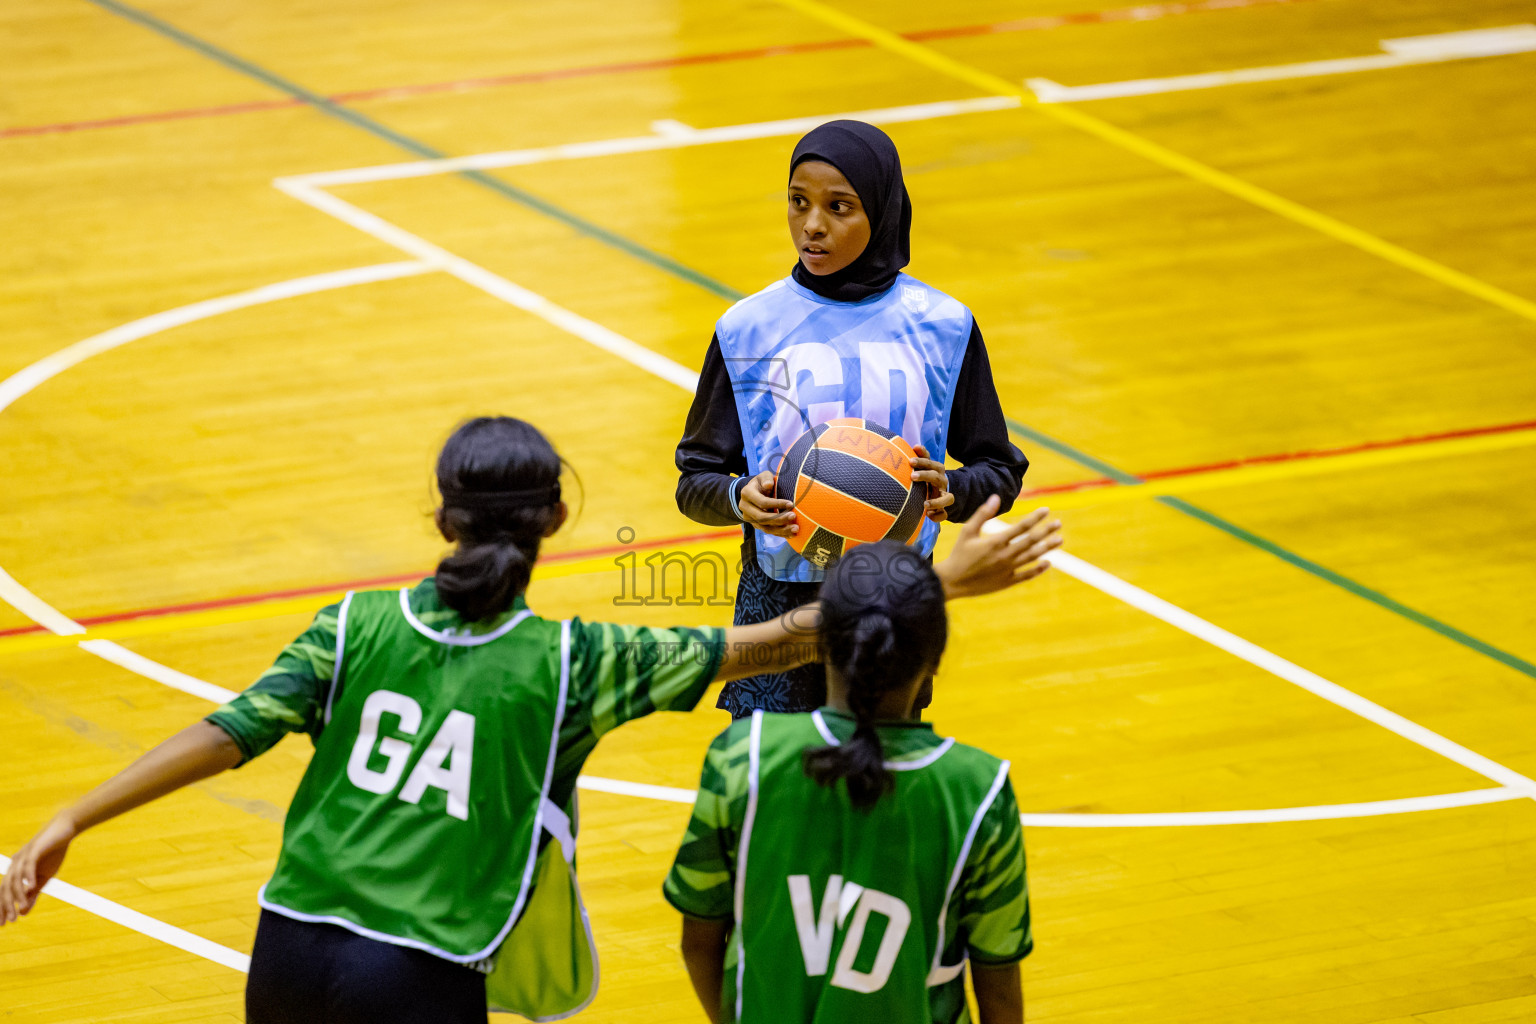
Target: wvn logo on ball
(816, 930)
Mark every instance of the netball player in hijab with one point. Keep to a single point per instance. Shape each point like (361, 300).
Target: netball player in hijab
(426, 866)
(845, 334)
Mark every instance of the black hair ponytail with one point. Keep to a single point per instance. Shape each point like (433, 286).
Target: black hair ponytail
(883, 625)
(500, 482)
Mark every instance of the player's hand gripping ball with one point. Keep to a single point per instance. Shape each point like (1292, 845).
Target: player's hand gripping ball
(851, 482)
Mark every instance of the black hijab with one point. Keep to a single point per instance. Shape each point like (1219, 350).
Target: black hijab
(866, 156)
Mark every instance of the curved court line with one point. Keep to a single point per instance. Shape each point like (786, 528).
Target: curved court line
(310, 189)
(433, 258)
(1321, 812)
(1275, 665)
(181, 939)
(28, 378)
(653, 362)
(25, 380)
(29, 604)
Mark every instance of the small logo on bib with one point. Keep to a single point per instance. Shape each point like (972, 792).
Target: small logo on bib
(915, 298)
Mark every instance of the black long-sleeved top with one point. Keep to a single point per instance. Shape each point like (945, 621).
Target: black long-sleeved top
(712, 459)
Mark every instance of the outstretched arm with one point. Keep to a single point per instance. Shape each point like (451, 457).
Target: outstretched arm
(198, 751)
(982, 562)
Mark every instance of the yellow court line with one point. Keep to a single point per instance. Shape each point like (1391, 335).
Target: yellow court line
(176, 622)
(1240, 476)
(1234, 186)
(604, 564)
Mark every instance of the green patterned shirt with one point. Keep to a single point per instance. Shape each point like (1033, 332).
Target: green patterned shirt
(618, 674)
(991, 904)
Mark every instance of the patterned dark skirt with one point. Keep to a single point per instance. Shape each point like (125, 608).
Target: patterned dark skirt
(759, 598)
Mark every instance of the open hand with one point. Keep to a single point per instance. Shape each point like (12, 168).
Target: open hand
(761, 509)
(988, 560)
(32, 867)
(932, 473)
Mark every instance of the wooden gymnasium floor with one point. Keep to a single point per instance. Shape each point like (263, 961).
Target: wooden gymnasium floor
(1270, 345)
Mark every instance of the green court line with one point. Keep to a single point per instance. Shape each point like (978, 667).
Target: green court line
(1263, 544)
(1354, 587)
(421, 149)
(666, 263)
(1082, 458)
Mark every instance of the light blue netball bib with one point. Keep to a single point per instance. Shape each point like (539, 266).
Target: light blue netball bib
(797, 360)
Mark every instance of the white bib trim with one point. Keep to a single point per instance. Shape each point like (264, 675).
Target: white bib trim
(341, 646)
(941, 973)
(895, 766)
(539, 826)
(453, 638)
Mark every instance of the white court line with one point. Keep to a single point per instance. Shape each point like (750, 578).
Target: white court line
(35, 608)
(1321, 812)
(122, 656)
(199, 946)
(492, 284)
(653, 362)
(435, 258)
(668, 135)
(23, 381)
(28, 378)
(1401, 53)
(142, 923)
(619, 787)
(1275, 665)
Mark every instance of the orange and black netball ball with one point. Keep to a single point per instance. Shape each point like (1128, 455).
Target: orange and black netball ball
(851, 482)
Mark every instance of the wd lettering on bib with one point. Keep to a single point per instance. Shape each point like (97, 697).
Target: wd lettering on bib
(866, 932)
(816, 930)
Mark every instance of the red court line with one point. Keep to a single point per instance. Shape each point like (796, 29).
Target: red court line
(376, 581)
(1323, 453)
(1296, 456)
(1146, 12)
(611, 549)
(164, 115)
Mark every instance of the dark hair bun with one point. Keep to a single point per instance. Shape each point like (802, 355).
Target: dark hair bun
(500, 482)
(883, 626)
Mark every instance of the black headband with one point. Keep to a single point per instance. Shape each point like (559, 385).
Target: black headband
(498, 500)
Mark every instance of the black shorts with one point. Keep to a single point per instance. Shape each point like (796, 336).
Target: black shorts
(303, 973)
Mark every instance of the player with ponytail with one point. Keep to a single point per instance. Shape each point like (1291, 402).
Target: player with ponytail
(882, 623)
(810, 828)
(500, 482)
(426, 869)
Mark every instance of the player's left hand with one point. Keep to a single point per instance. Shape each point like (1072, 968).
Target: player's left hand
(932, 473)
(32, 867)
